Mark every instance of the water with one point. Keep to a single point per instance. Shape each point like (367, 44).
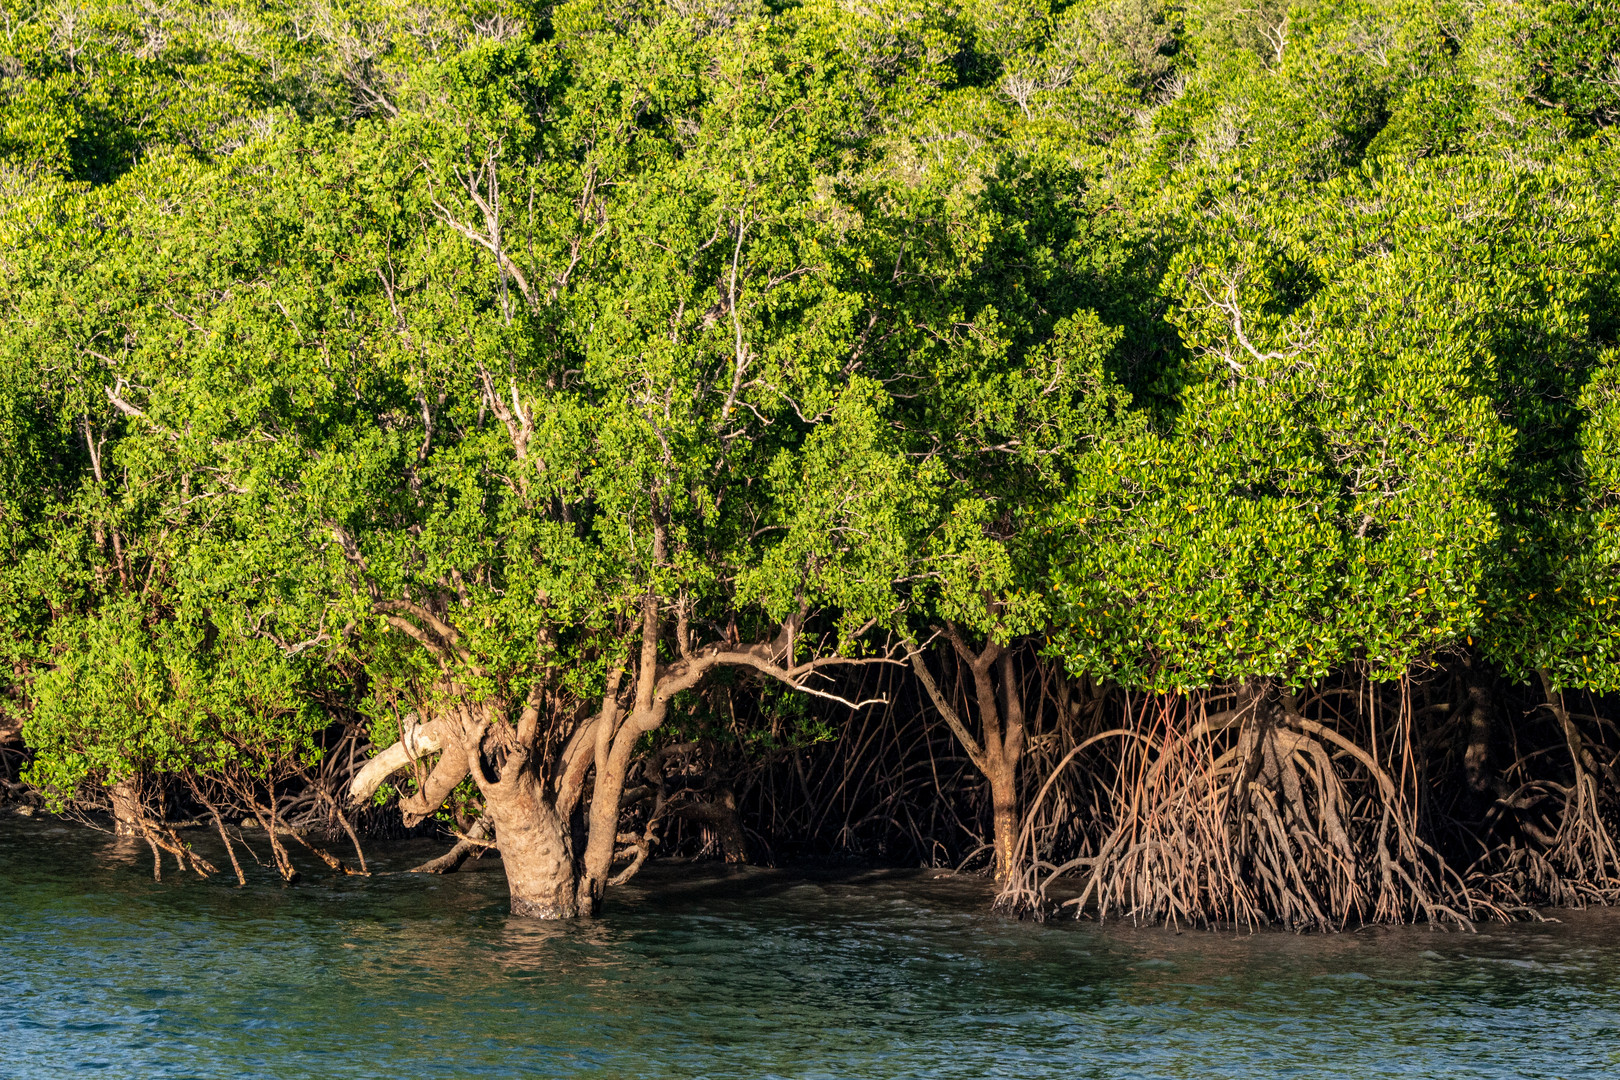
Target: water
(701, 972)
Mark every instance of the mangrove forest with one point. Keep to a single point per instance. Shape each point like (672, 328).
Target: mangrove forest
(1163, 455)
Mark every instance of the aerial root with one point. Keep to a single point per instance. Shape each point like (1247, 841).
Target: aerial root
(1257, 815)
(160, 837)
(1571, 862)
(475, 841)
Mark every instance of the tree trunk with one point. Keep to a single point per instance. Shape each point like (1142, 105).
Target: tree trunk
(533, 828)
(126, 807)
(996, 754)
(607, 792)
(535, 850)
(1004, 814)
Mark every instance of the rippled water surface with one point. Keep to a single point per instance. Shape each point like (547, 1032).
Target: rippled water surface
(699, 972)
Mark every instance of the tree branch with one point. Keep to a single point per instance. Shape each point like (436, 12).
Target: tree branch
(975, 752)
(415, 740)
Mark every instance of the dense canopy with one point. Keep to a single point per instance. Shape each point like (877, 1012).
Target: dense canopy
(549, 420)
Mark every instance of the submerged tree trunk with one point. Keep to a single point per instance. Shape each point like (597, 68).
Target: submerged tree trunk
(1004, 818)
(535, 849)
(532, 780)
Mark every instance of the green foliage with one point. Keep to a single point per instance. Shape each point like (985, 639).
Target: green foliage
(127, 694)
(1375, 370)
(1202, 343)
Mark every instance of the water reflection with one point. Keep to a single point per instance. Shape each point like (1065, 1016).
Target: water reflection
(743, 973)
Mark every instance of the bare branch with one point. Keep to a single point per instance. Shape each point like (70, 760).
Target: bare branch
(415, 741)
(120, 404)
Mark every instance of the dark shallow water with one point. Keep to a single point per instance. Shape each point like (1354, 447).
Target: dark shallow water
(699, 972)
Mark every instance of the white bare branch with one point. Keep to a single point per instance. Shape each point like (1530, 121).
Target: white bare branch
(416, 740)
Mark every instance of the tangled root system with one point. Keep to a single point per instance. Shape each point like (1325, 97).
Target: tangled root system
(1259, 814)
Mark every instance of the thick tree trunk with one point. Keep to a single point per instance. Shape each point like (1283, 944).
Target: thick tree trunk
(1004, 753)
(614, 750)
(530, 830)
(535, 850)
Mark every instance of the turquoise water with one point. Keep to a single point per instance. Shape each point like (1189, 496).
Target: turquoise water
(701, 972)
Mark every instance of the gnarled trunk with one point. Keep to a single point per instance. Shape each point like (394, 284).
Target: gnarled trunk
(529, 826)
(535, 849)
(530, 802)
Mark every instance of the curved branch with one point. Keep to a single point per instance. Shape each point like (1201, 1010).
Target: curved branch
(687, 672)
(415, 741)
(443, 630)
(450, 771)
(420, 636)
(577, 757)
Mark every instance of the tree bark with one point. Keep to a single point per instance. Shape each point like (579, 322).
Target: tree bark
(606, 796)
(1004, 816)
(535, 849)
(126, 808)
(996, 753)
(445, 776)
(532, 823)
(1004, 775)
(416, 740)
